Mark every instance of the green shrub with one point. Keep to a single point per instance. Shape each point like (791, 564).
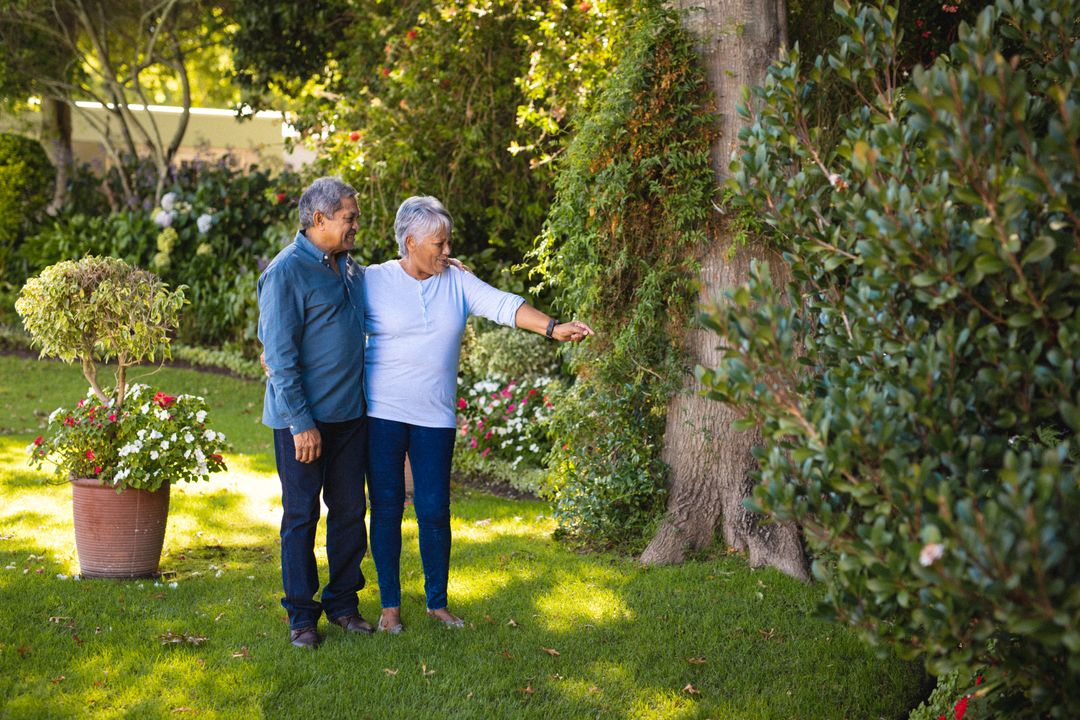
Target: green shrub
(26, 187)
(490, 351)
(633, 192)
(921, 385)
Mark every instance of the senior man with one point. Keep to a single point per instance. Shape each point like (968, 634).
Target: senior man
(311, 325)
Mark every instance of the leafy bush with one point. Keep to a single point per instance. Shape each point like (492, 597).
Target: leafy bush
(215, 230)
(26, 182)
(491, 351)
(633, 193)
(921, 384)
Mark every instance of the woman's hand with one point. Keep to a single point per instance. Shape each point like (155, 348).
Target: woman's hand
(573, 331)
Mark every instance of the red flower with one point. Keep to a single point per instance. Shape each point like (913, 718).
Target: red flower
(80, 403)
(584, 7)
(97, 470)
(411, 35)
(89, 454)
(354, 135)
(961, 708)
(532, 392)
(978, 680)
(461, 403)
(487, 436)
(386, 72)
(112, 418)
(164, 400)
(918, 23)
(281, 197)
(37, 440)
(217, 457)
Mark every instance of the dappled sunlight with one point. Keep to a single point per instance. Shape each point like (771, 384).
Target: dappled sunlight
(487, 529)
(574, 601)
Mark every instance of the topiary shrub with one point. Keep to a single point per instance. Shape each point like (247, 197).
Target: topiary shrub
(921, 385)
(26, 187)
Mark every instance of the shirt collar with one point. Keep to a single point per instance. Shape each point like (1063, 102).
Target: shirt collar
(308, 248)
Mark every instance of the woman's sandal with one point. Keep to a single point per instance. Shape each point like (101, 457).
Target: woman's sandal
(390, 629)
(456, 622)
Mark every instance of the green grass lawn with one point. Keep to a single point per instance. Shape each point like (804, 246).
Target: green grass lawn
(550, 633)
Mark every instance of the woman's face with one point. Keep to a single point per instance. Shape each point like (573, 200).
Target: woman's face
(429, 253)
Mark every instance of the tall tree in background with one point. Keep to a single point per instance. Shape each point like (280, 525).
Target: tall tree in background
(113, 52)
(711, 463)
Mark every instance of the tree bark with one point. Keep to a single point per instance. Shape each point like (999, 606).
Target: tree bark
(710, 463)
(56, 139)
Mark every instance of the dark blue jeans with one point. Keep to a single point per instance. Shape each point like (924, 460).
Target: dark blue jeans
(338, 475)
(430, 452)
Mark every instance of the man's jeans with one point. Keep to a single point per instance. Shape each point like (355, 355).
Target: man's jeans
(339, 475)
(430, 452)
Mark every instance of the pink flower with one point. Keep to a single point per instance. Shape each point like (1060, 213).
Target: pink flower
(89, 454)
(472, 443)
(164, 400)
(510, 408)
(487, 435)
(485, 454)
(461, 403)
(37, 440)
(80, 403)
(97, 470)
(112, 418)
(69, 421)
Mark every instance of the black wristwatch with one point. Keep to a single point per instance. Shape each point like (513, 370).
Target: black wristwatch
(551, 328)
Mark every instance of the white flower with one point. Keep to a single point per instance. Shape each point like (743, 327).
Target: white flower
(210, 435)
(145, 408)
(203, 223)
(30, 449)
(199, 417)
(54, 413)
(164, 444)
(163, 219)
(199, 457)
(153, 454)
(189, 438)
(931, 553)
(155, 435)
(160, 414)
(173, 438)
(168, 201)
(837, 182)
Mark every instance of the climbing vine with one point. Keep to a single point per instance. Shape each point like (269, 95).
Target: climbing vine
(619, 248)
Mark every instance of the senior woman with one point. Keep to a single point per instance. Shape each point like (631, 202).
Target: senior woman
(416, 312)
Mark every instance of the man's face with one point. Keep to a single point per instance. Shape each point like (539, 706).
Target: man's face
(337, 233)
(430, 253)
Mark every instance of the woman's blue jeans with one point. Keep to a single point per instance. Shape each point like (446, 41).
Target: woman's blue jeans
(430, 453)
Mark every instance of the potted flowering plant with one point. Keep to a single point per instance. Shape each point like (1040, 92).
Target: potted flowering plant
(121, 447)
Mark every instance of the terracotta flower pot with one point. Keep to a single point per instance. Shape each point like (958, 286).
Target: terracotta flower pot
(118, 535)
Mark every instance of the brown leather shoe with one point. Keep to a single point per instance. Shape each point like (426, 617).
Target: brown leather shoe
(354, 624)
(307, 637)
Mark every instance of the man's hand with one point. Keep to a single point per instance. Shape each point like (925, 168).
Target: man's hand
(460, 265)
(308, 445)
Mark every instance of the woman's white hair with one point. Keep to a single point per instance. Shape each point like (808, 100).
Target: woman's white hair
(418, 216)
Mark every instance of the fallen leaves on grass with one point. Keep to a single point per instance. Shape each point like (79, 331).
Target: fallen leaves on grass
(506, 654)
(550, 651)
(527, 690)
(424, 671)
(24, 650)
(171, 638)
(389, 671)
(65, 621)
(57, 680)
(482, 523)
(691, 690)
(242, 653)
(512, 622)
(699, 660)
(178, 710)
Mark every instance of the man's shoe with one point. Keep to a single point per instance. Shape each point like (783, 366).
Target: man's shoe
(354, 624)
(307, 637)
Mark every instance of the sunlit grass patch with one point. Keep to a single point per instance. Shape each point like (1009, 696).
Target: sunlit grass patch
(550, 633)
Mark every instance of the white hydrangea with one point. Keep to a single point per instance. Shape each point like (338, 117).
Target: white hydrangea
(168, 201)
(163, 219)
(204, 222)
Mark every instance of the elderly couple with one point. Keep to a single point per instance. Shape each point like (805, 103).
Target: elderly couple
(362, 366)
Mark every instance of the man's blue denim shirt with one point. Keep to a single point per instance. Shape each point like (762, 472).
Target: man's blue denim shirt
(311, 325)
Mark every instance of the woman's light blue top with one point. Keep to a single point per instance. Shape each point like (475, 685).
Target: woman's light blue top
(414, 332)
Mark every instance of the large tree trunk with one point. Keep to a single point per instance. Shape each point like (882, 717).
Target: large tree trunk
(56, 139)
(710, 462)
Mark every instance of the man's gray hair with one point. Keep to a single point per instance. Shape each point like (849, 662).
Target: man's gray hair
(325, 196)
(418, 216)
